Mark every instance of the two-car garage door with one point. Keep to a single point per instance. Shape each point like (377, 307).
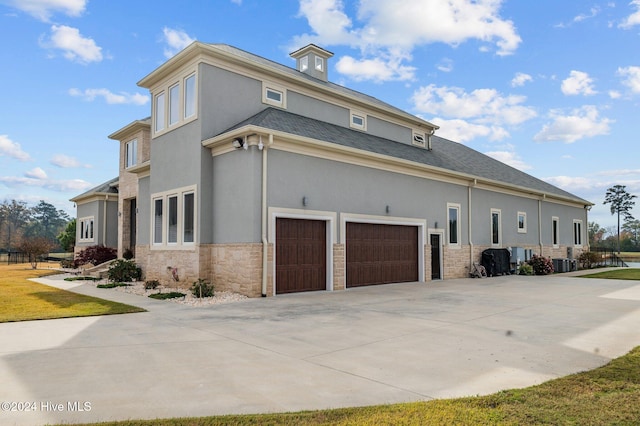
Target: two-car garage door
(375, 254)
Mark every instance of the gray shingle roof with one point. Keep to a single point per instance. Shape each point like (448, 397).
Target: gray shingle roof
(108, 187)
(445, 154)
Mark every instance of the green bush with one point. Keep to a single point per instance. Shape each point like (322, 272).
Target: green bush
(525, 269)
(541, 265)
(202, 288)
(151, 284)
(82, 278)
(112, 285)
(124, 271)
(171, 295)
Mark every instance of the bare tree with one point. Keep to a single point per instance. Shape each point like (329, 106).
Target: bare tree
(621, 203)
(35, 247)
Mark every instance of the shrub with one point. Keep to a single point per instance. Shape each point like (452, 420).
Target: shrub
(95, 255)
(587, 259)
(82, 279)
(151, 284)
(67, 263)
(162, 296)
(202, 288)
(541, 265)
(124, 271)
(112, 285)
(525, 269)
(127, 254)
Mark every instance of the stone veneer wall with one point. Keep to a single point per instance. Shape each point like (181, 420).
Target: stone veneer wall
(456, 261)
(238, 268)
(339, 267)
(158, 265)
(427, 262)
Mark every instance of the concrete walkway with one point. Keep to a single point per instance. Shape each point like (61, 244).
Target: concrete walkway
(372, 345)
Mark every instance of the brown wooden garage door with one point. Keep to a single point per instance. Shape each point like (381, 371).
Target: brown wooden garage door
(381, 254)
(301, 255)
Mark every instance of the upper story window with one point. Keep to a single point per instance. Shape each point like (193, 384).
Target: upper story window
(131, 153)
(304, 63)
(453, 223)
(522, 222)
(555, 231)
(275, 95)
(86, 229)
(175, 103)
(496, 225)
(358, 120)
(319, 63)
(159, 114)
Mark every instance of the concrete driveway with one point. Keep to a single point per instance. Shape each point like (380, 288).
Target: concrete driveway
(372, 345)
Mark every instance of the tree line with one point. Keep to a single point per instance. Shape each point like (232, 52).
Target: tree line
(21, 224)
(625, 236)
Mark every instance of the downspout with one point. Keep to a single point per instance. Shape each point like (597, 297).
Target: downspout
(540, 224)
(265, 242)
(104, 221)
(469, 226)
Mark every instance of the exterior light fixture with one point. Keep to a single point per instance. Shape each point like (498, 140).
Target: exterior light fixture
(238, 143)
(305, 201)
(387, 209)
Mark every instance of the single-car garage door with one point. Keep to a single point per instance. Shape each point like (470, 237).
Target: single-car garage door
(381, 254)
(301, 255)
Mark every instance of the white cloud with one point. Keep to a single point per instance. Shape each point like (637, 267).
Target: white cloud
(593, 12)
(574, 184)
(578, 83)
(67, 162)
(520, 79)
(75, 46)
(176, 40)
(54, 185)
(377, 69)
(631, 77)
(482, 105)
(614, 94)
(36, 173)
(510, 158)
(634, 18)
(110, 97)
(460, 130)
(12, 149)
(445, 65)
(43, 9)
(578, 124)
(393, 28)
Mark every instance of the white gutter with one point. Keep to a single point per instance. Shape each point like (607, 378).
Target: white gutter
(540, 224)
(104, 221)
(265, 242)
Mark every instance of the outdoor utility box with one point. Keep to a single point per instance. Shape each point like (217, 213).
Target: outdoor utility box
(517, 255)
(561, 265)
(496, 261)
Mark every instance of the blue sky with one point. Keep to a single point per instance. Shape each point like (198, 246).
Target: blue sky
(549, 87)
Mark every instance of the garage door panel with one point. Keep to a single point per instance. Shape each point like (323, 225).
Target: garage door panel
(381, 254)
(300, 255)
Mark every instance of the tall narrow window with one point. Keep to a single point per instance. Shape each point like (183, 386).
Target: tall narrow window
(190, 96)
(172, 220)
(495, 227)
(132, 153)
(453, 212)
(522, 222)
(304, 63)
(174, 104)
(157, 221)
(188, 218)
(555, 229)
(577, 232)
(319, 63)
(159, 114)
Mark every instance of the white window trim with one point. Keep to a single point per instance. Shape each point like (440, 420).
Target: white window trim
(359, 114)
(92, 237)
(499, 213)
(179, 107)
(304, 63)
(165, 89)
(267, 86)
(180, 244)
(555, 236)
(578, 234)
(319, 64)
(524, 229)
(127, 151)
(458, 225)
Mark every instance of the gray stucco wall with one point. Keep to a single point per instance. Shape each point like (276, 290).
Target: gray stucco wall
(105, 227)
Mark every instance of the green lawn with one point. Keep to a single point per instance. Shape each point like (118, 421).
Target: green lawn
(22, 300)
(616, 274)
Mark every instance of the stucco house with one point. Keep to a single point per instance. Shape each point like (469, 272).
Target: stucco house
(268, 179)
